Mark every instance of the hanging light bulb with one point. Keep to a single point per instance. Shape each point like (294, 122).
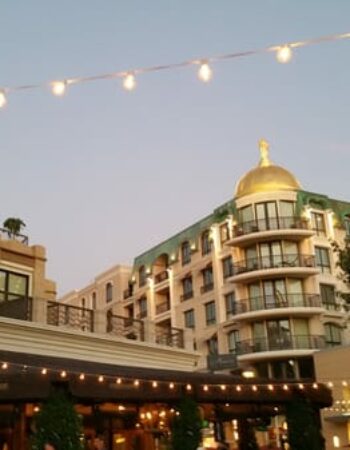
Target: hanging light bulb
(205, 72)
(58, 88)
(81, 377)
(205, 387)
(44, 371)
(3, 99)
(171, 385)
(154, 384)
(129, 82)
(284, 54)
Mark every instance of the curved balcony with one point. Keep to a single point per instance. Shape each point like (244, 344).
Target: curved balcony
(285, 344)
(295, 228)
(269, 305)
(266, 266)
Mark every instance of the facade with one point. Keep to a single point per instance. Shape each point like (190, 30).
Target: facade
(256, 279)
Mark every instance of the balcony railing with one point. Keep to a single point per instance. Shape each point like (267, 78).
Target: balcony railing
(282, 342)
(332, 306)
(126, 327)
(128, 293)
(18, 308)
(172, 337)
(274, 223)
(161, 276)
(274, 262)
(278, 301)
(72, 316)
(163, 307)
(14, 236)
(186, 296)
(207, 287)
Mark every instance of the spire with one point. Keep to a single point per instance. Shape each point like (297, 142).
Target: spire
(264, 153)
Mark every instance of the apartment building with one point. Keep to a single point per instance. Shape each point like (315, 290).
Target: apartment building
(257, 279)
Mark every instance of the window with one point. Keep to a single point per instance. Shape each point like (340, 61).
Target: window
(208, 282)
(206, 243)
(232, 341)
(189, 318)
(230, 302)
(13, 286)
(187, 288)
(318, 224)
(328, 296)
(185, 253)
(266, 215)
(278, 334)
(142, 276)
(109, 292)
(93, 300)
(322, 259)
(284, 369)
(212, 344)
(143, 307)
(332, 334)
(227, 268)
(306, 368)
(210, 313)
(224, 233)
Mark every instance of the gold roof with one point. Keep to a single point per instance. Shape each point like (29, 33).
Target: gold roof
(266, 177)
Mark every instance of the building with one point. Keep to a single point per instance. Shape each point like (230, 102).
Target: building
(256, 279)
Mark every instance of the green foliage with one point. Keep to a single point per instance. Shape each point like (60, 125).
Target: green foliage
(343, 258)
(303, 427)
(57, 422)
(247, 438)
(13, 225)
(186, 427)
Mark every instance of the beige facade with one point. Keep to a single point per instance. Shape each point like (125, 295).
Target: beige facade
(257, 278)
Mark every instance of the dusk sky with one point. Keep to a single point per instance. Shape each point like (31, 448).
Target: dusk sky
(102, 174)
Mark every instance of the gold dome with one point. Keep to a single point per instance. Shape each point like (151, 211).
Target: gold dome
(266, 177)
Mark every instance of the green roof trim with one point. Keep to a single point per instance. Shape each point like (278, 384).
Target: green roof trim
(320, 201)
(191, 234)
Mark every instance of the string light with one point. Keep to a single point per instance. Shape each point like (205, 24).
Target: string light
(58, 88)
(44, 371)
(254, 388)
(100, 379)
(3, 99)
(270, 387)
(154, 384)
(330, 384)
(188, 387)
(238, 388)
(4, 366)
(301, 386)
(284, 54)
(223, 387)
(81, 377)
(205, 388)
(315, 386)
(171, 385)
(136, 383)
(205, 72)
(285, 387)
(119, 381)
(129, 82)
(344, 383)
(63, 374)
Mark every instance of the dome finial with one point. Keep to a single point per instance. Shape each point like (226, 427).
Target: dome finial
(264, 147)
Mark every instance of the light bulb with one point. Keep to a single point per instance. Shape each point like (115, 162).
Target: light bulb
(129, 82)
(284, 54)
(81, 377)
(3, 99)
(58, 88)
(44, 371)
(205, 73)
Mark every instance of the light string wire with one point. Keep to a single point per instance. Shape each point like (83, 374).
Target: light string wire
(131, 73)
(119, 379)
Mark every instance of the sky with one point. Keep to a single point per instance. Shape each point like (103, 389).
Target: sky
(101, 175)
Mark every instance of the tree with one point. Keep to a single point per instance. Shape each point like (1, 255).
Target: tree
(58, 422)
(186, 427)
(303, 425)
(14, 226)
(247, 438)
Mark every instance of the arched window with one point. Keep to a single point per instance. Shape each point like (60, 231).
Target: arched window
(206, 242)
(93, 300)
(142, 276)
(333, 334)
(109, 292)
(185, 253)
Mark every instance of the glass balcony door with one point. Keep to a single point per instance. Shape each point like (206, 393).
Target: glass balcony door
(278, 334)
(275, 294)
(266, 215)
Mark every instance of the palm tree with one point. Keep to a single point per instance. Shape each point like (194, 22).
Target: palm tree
(13, 226)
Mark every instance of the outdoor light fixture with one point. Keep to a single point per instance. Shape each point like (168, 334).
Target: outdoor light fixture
(284, 54)
(248, 373)
(129, 82)
(205, 72)
(3, 99)
(58, 88)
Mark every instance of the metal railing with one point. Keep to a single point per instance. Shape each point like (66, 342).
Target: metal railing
(17, 308)
(126, 327)
(274, 262)
(207, 287)
(163, 307)
(14, 236)
(281, 342)
(273, 223)
(332, 306)
(161, 276)
(170, 336)
(186, 296)
(59, 314)
(277, 301)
